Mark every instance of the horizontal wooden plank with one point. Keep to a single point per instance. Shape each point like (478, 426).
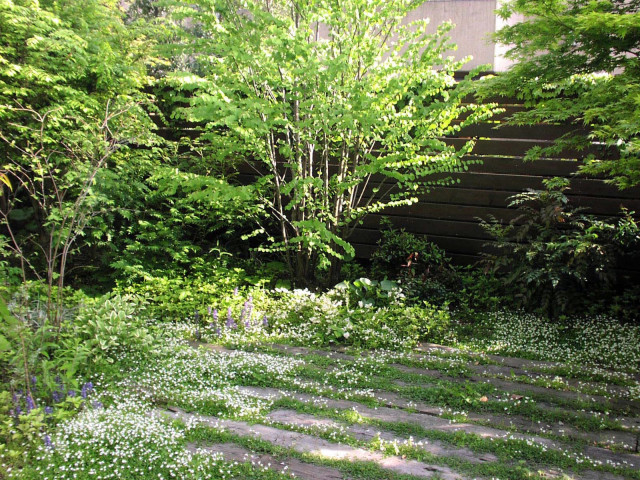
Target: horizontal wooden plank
(517, 166)
(492, 164)
(463, 195)
(519, 147)
(501, 130)
(440, 211)
(578, 186)
(429, 226)
(480, 176)
(489, 198)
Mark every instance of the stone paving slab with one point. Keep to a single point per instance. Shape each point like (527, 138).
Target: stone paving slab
(362, 432)
(430, 422)
(506, 371)
(367, 433)
(624, 439)
(309, 444)
(514, 386)
(297, 468)
(513, 362)
(627, 440)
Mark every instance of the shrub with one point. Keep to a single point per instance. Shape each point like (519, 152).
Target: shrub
(421, 267)
(102, 331)
(332, 318)
(553, 253)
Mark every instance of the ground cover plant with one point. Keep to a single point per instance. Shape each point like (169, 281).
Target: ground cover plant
(149, 331)
(244, 384)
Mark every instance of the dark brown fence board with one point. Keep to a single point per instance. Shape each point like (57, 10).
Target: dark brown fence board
(443, 211)
(517, 166)
(429, 226)
(542, 132)
(519, 147)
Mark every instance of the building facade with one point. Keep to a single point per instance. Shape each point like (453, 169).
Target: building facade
(475, 21)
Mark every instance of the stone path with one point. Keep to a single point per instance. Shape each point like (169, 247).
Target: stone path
(292, 466)
(430, 422)
(311, 428)
(308, 444)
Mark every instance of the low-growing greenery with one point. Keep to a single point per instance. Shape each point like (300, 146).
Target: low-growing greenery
(596, 341)
(142, 273)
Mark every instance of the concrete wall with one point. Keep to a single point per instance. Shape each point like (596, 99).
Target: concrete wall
(474, 22)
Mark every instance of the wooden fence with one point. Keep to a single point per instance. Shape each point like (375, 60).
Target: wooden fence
(449, 216)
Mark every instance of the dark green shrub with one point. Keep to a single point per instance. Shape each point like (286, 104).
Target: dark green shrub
(422, 269)
(553, 254)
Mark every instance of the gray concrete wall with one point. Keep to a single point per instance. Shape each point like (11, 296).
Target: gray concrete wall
(474, 22)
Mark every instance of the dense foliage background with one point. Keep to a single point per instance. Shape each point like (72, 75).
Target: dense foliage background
(174, 170)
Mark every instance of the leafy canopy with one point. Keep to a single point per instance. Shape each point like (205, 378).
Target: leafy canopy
(579, 60)
(337, 106)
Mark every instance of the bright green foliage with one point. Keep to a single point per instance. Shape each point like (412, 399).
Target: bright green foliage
(70, 98)
(337, 107)
(375, 316)
(553, 253)
(368, 293)
(101, 332)
(578, 60)
(167, 221)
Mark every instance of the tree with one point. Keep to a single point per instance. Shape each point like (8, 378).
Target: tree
(578, 60)
(336, 106)
(71, 76)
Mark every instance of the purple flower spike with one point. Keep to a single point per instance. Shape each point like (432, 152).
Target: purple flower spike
(47, 441)
(97, 405)
(34, 380)
(71, 393)
(56, 396)
(215, 314)
(246, 324)
(265, 321)
(235, 292)
(48, 410)
(218, 332)
(209, 310)
(230, 322)
(30, 404)
(196, 316)
(86, 390)
(18, 411)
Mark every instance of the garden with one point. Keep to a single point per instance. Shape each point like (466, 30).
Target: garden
(180, 292)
